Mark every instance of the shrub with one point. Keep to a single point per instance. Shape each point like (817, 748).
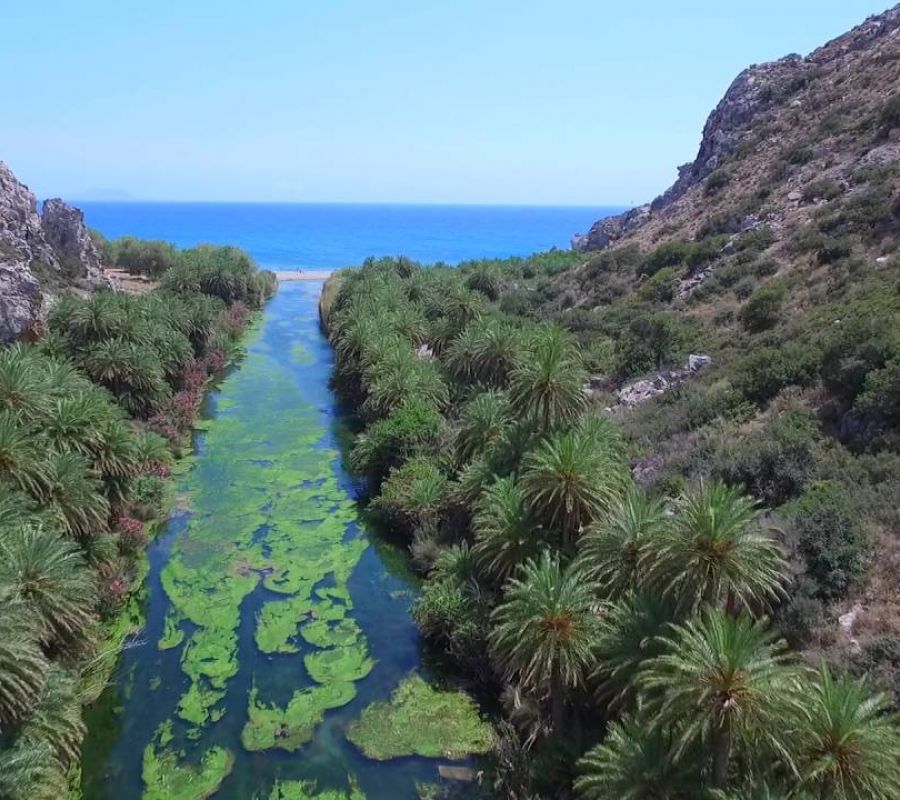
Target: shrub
(670, 254)
(650, 342)
(799, 154)
(822, 189)
(890, 114)
(148, 496)
(756, 240)
(768, 370)
(763, 309)
(413, 427)
(141, 257)
(413, 495)
(774, 464)
(881, 395)
(716, 182)
(660, 288)
(831, 539)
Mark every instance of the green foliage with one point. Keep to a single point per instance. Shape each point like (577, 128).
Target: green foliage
(413, 494)
(412, 427)
(716, 182)
(831, 539)
(633, 763)
(546, 386)
(774, 464)
(650, 342)
(724, 683)
(139, 256)
(573, 478)
(763, 309)
(715, 555)
(545, 630)
(614, 552)
(765, 371)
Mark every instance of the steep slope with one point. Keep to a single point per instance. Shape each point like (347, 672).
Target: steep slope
(779, 127)
(39, 255)
(775, 255)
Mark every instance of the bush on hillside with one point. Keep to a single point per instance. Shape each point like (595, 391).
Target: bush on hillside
(774, 464)
(831, 538)
(763, 309)
(764, 372)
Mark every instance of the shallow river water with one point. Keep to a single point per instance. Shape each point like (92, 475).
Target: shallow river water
(272, 617)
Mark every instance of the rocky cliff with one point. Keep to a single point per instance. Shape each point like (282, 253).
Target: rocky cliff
(768, 109)
(39, 256)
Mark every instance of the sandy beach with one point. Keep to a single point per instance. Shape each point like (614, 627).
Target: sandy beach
(305, 275)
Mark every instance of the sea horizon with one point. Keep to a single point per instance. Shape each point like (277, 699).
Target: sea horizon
(328, 236)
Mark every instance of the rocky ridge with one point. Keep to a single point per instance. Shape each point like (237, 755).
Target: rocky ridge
(808, 86)
(39, 256)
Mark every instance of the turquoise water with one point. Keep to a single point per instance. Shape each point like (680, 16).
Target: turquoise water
(329, 236)
(267, 532)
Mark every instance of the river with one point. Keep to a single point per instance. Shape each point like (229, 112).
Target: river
(273, 617)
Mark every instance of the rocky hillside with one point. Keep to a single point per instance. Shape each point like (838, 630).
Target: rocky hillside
(745, 326)
(39, 256)
(788, 137)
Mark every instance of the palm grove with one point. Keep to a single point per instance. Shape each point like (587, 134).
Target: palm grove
(627, 635)
(90, 418)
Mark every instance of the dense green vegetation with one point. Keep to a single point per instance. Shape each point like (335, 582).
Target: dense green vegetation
(631, 632)
(89, 417)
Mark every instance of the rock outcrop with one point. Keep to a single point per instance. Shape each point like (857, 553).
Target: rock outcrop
(55, 246)
(66, 233)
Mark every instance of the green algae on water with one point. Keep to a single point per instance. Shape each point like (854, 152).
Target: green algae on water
(290, 728)
(421, 720)
(165, 778)
(306, 790)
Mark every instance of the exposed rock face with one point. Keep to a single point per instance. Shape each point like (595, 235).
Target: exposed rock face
(758, 92)
(21, 235)
(56, 246)
(21, 303)
(639, 392)
(67, 234)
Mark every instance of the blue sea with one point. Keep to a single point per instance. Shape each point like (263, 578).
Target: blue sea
(319, 236)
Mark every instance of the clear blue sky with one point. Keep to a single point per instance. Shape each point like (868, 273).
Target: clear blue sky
(473, 101)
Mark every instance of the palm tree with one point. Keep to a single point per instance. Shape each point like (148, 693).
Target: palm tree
(75, 495)
(545, 631)
(49, 575)
(634, 763)
(482, 422)
(715, 553)
(761, 791)
(73, 422)
(29, 771)
(614, 551)
(398, 378)
(88, 321)
(56, 719)
(631, 634)
(23, 667)
(721, 681)
(548, 383)
(131, 371)
(20, 464)
(850, 741)
(570, 481)
(506, 534)
(23, 386)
